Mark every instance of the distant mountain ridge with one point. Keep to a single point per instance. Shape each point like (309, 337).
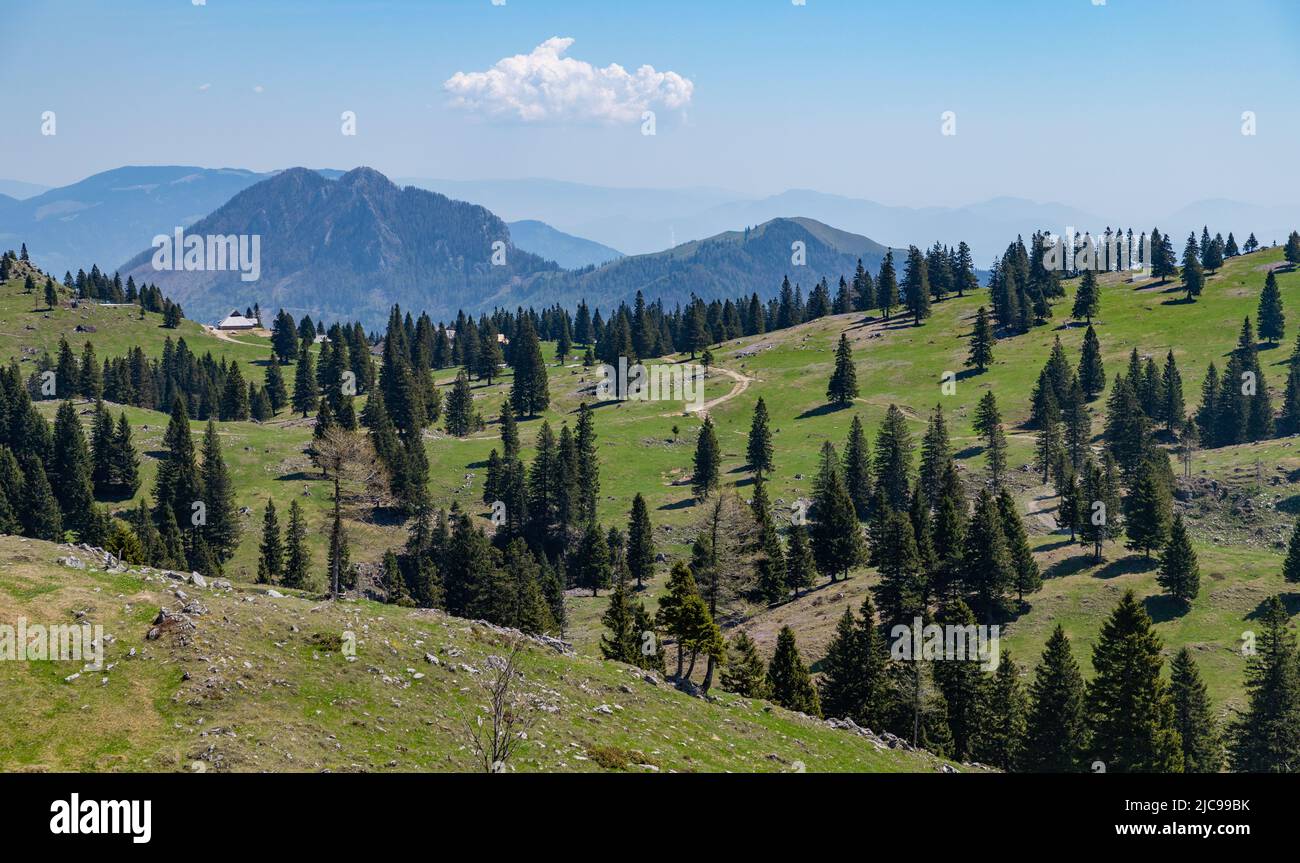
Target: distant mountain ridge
(349, 248)
(108, 216)
(568, 251)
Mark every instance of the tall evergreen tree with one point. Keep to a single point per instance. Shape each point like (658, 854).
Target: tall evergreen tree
(1056, 731)
(1130, 711)
(1266, 737)
(759, 445)
(788, 679)
(270, 563)
(1179, 573)
(1194, 716)
(708, 458)
(981, 342)
(297, 558)
(843, 386)
(1272, 320)
(306, 393)
(857, 468)
(640, 542)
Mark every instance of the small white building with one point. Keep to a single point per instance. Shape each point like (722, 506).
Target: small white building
(236, 321)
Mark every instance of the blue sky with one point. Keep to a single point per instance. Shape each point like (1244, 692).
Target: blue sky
(1054, 100)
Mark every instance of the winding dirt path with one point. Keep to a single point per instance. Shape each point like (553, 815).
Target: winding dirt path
(741, 384)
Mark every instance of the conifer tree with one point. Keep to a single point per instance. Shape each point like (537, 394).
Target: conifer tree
(273, 384)
(936, 455)
(988, 568)
(1087, 299)
(1149, 504)
(981, 342)
(1171, 394)
(843, 386)
(672, 616)
(1194, 716)
(1265, 738)
(962, 683)
(901, 591)
(800, 567)
(297, 558)
(70, 470)
(853, 684)
(1092, 373)
(1002, 737)
(759, 445)
(1272, 320)
(708, 457)
(622, 641)
(788, 679)
(459, 419)
(1056, 732)
(306, 393)
(1027, 578)
(221, 531)
(857, 468)
(640, 542)
(530, 391)
(1193, 272)
(37, 508)
(744, 673)
(1048, 446)
(892, 460)
(916, 286)
(887, 286)
(1179, 573)
(1130, 711)
(988, 423)
(270, 563)
(591, 564)
(836, 536)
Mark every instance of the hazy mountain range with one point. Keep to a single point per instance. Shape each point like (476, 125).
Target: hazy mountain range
(350, 248)
(563, 241)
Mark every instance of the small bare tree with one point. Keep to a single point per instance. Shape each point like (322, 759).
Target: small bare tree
(509, 714)
(345, 457)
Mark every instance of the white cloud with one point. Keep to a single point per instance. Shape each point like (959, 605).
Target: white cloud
(547, 86)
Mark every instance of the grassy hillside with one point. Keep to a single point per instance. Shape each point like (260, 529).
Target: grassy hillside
(262, 684)
(1240, 501)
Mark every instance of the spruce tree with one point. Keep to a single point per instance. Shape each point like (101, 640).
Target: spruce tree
(640, 542)
(988, 423)
(1266, 737)
(1179, 573)
(530, 391)
(892, 460)
(744, 673)
(591, 564)
(853, 684)
(800, 567)
(297, 558)
(981, 342)
(1130, 711)
(273, 384)
(707, 462)
(622, 641)
(857, 468)
(788, 679)
(306, 393)
(988, 570)
(70, 470)
(1092, 373)
(1087, 299)
(836, 536)
(1272, 320)
(1055, 730)
(37, 507)
(887, 286)
(1006, 712)
(843, 386)
(1027, 577)
(270, 563)
(459, 419)
(901, 590)
(916, 286)
(221, 531)
(1194, 716)
(758, 448)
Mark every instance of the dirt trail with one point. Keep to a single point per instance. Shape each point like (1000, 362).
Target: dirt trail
(741, 384)
(225, 336)
(1042, 507)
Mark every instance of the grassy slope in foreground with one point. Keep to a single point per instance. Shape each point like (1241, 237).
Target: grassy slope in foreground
(269, 691)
